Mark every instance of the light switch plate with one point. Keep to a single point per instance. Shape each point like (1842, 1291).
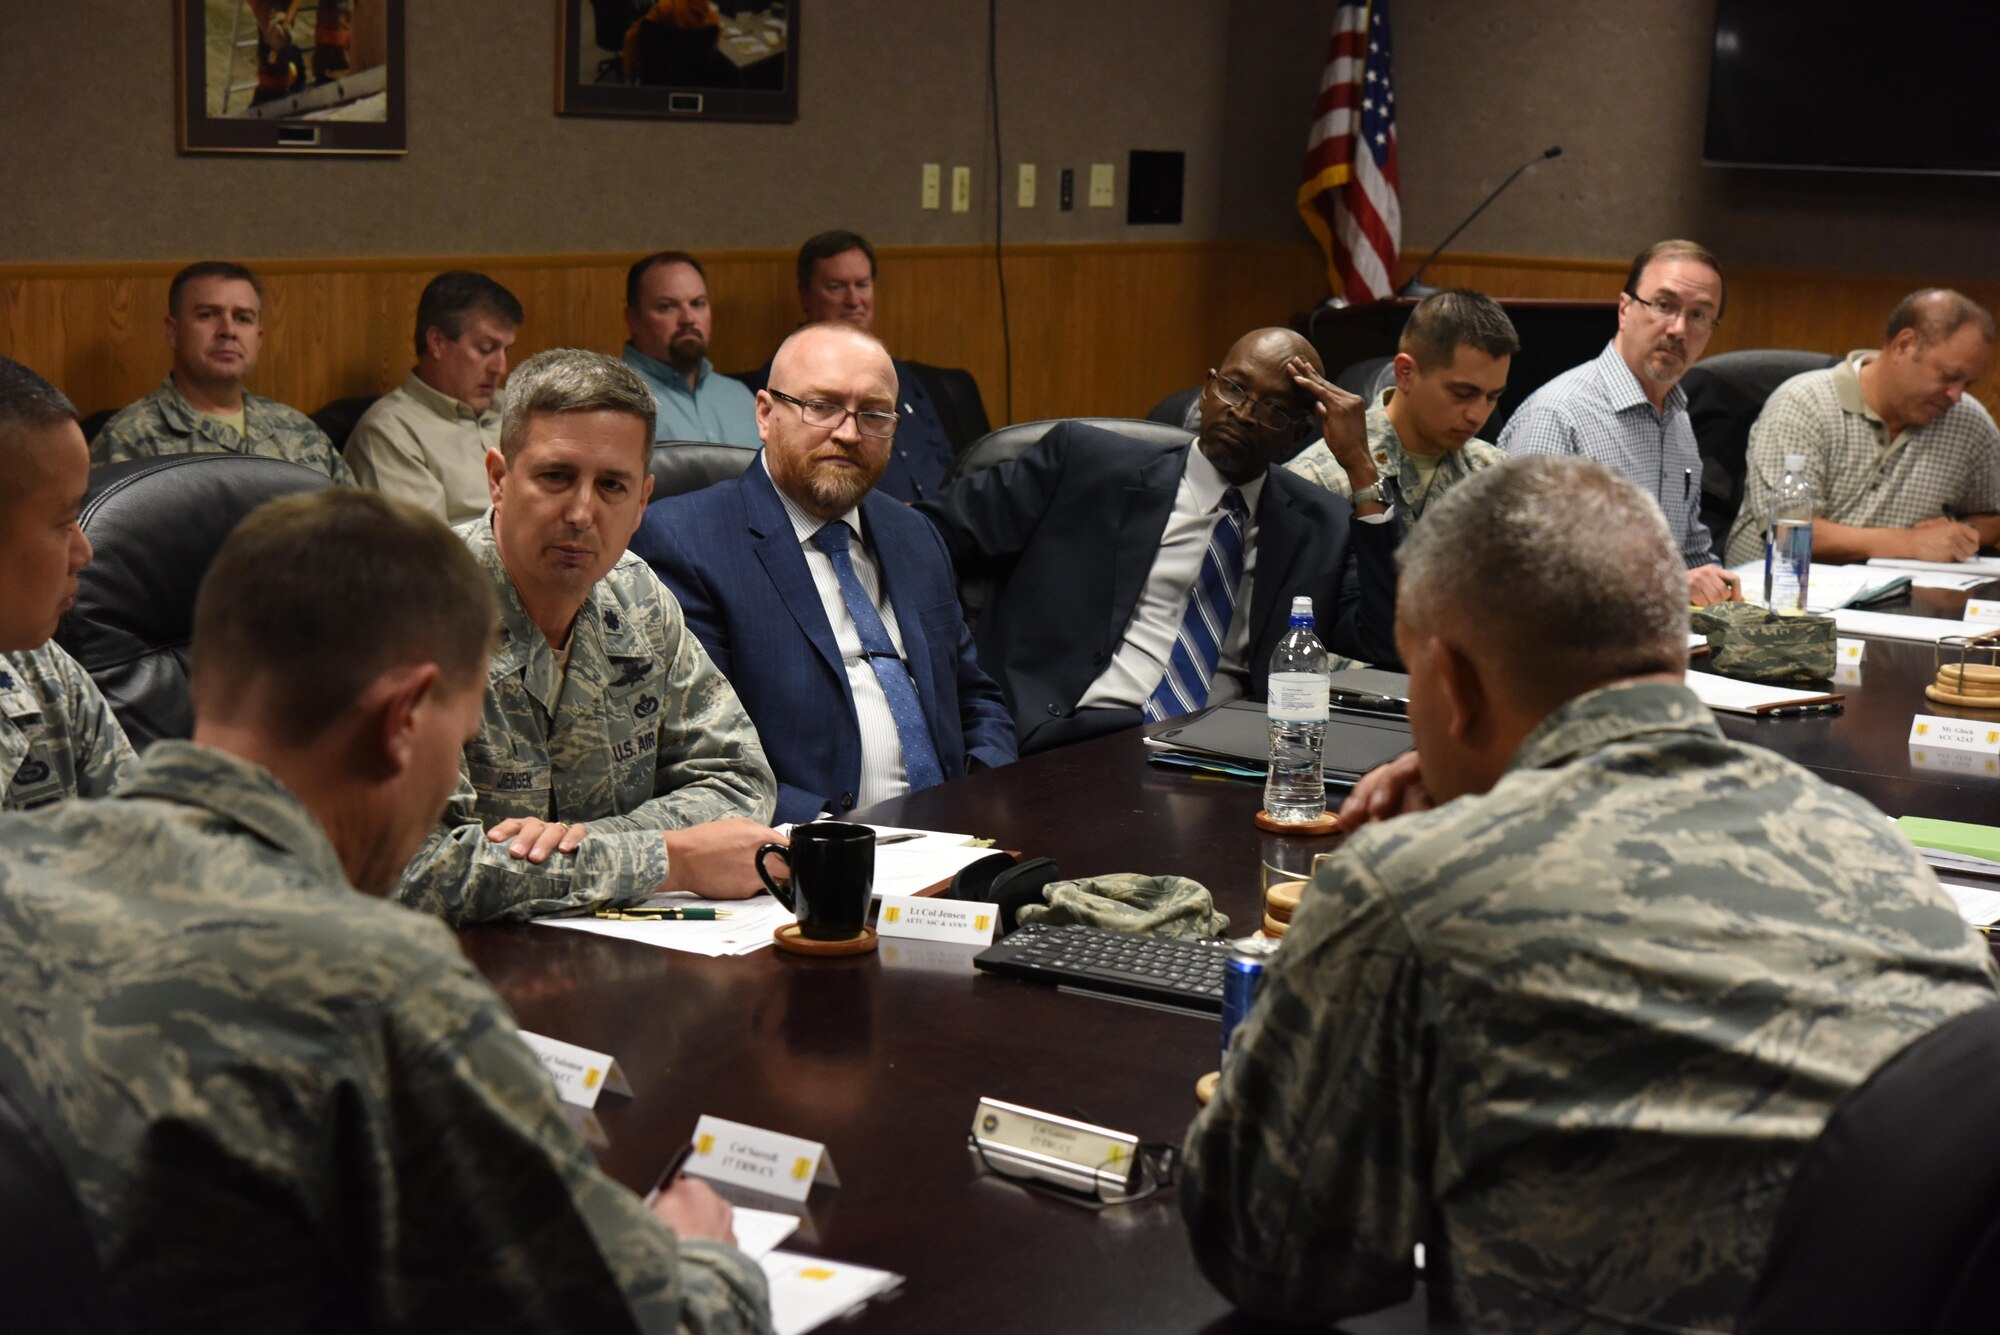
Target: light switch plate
(930, 195)
(1103, 176)
(961, 189)
(1025, 190)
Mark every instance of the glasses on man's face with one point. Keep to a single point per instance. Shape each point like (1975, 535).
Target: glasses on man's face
(1700, 319)
(829, 416)
(1262, 411)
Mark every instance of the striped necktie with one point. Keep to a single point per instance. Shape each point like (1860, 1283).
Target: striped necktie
(1211, 603)
(920, 760)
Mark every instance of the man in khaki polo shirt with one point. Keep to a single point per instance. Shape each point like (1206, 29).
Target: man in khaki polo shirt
(1901, 460)
(426, 442)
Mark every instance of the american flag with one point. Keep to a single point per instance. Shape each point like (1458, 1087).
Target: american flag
(1348, 196)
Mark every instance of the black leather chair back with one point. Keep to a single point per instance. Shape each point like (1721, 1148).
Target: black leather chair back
(1011, 442)
(1891, 1225)
(338, 419)
(48, 1264)
(155, 524)
(1725, 393)
(1178, 409)
(1367, 377)
(960, 409)
(681, 466)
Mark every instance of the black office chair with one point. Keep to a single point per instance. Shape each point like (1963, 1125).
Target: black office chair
(338, 418)
(155, 525)
(681, 466)
(1011, 442)
(960, 409)
(1367, 377)
(94, 423)
(1891, 1226)
(48, 1264)
(1725, 393)
(1182, 408)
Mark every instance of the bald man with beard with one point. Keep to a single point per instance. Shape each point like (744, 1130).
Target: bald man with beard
(1115, 558)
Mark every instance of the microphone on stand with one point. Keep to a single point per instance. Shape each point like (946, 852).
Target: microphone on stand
(1415, 288)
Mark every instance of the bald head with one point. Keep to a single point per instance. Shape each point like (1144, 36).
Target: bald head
(829, 338)
(826, 469)
(1253, 414)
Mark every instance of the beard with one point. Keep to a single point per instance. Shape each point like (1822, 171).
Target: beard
(685, 352)
(1667, 362)
(837, 490)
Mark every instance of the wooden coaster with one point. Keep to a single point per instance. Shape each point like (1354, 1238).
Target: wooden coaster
(1945, 697)
(1272, 913)
(1283, 897)
(1204, 1088)
(1275, 927)
(788, 938)
(1327, 824)
(1976, 674)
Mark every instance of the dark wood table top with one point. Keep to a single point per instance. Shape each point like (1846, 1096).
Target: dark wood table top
(884, 1057)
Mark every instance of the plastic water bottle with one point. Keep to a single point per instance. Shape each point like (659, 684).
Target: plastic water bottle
(1788, 539)
(1295, 786)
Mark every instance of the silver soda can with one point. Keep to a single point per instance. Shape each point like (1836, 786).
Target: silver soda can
(1242, 975)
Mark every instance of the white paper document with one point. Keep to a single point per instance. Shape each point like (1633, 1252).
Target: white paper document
(916, 864)
(749, 926)
(1746, 697)
(809, 1291)
(1929, 579)
(1988, 566)
(1827, 586)
(758, 1232)
(1889, 626)
(1977, 904)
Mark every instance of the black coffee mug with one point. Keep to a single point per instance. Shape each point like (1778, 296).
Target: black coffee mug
(833, 874)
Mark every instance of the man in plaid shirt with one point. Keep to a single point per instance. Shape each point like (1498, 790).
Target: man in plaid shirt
(1901, 461)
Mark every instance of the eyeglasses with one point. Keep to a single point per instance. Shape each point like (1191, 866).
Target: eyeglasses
(1699, 320)
(820, 413)
(1262, 411)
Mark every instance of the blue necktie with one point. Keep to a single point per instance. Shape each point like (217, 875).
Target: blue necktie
(1211, 602)
(920, 762)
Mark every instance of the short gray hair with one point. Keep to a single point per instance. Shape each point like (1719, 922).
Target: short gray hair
(1559, 568)
(572, 380)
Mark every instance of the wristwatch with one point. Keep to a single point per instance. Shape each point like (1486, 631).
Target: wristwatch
(1370, 494)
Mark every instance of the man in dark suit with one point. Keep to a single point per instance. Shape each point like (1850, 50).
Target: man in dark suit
(830, 608)
(1141, 582)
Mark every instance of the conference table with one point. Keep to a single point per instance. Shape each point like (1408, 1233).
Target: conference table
(883, 1057)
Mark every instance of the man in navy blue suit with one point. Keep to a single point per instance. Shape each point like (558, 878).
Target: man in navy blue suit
(831, 609)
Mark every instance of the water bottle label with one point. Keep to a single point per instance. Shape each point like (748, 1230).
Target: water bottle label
(1298, 697)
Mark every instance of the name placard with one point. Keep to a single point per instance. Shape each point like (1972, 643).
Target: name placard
(1955, 734)
(1982, 612)
(1061, 1150)
(580, 1074)
(962, 920)
(1955, 762)
(766, 1161)
(1849, 651)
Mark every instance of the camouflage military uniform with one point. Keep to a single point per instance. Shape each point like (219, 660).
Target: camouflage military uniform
(164, 422)
(643, 735)
(287, 1106)
(1573, 1034)
(1400, 479)
(58, 738)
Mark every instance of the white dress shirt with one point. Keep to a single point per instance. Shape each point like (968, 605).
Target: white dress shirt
(1135, 670)
(882, 774)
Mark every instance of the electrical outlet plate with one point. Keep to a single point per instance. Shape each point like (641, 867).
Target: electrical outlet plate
(930, 195)
(1103, 176)
(961, 189)
(1025, 190)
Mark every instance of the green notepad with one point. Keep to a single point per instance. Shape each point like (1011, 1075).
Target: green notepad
(1952, 836)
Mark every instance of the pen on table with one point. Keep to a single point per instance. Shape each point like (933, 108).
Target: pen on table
(662, 914)
(903, 838)
(1801, 711)
(671, 1171)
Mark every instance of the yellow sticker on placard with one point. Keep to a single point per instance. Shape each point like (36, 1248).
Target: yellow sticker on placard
(802, 1168)
(982, 922)
(590, 1077)
(895, 914)
(1116, 1154)
(704, 1143)
(1923, 729)
(816, 1272)
(1992, 736)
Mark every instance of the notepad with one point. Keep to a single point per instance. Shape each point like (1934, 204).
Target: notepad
(1952, 836)
(1730, 696)
(1889, 626)
(1976, 565)
(1831, 586)
(809, 1291)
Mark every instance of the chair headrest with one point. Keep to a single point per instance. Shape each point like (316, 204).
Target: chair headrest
(1011, 442)
(681, 466)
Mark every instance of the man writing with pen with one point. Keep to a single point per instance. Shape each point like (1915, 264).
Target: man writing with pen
(1627, 409)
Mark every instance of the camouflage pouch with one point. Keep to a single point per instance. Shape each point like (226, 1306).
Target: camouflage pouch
(1753, 643)
(1128, 902)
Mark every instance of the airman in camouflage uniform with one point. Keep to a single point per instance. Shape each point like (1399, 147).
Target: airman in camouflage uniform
(58, 738)
(642, 735)
(1402, 486)
(1573, 1029)
(364, 1115)
(165, 423)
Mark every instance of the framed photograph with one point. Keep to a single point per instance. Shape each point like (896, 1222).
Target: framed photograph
(718, 60)
(290, 76)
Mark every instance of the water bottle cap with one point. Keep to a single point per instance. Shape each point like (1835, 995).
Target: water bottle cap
(1795, 463)
(1302, 607)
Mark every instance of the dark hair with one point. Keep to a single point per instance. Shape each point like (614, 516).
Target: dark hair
(1677, 250)
(451, 298)
(1936, 313)
(825, 246)
(28, 403)
(316, 594)
(210, 269)
(636, 275)
(1445, 321)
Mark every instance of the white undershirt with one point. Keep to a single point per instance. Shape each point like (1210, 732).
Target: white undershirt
(882, 774)
(1135, 670)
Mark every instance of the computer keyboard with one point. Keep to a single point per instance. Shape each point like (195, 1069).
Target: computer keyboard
(1183, 974)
